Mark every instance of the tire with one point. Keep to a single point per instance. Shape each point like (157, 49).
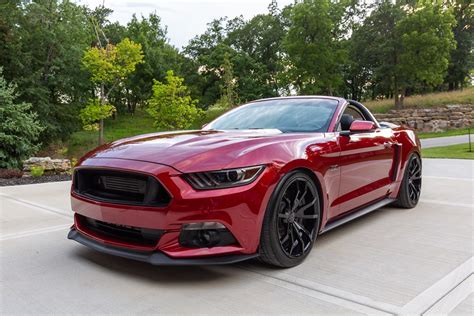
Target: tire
(291, 222)
(410, 188)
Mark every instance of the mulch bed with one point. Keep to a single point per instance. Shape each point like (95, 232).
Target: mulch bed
(33, 180)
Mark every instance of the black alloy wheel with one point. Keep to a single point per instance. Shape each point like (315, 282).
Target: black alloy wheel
(292, 221)
(414, 180)
(410, 188)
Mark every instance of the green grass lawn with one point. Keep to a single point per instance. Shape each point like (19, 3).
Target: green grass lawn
(460, 151)
(465, 96)
(452, 132)
(125, 125)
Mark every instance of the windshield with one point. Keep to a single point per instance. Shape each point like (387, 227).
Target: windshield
(286, 115)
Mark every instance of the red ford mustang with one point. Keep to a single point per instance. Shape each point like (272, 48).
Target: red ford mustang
(263, 180)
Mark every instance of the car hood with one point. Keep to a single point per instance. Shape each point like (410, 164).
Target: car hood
(190, 151)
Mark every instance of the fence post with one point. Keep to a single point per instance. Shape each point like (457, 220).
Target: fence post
(469, 133)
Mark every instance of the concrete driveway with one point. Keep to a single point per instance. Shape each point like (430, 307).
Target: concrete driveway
(393, 261)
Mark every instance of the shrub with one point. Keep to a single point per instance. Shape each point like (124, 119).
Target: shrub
(37, 171)
(93, 113)
(171, 106)
(10, 173)
(19, 128)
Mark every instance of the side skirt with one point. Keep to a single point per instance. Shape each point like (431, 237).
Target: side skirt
(353, 215)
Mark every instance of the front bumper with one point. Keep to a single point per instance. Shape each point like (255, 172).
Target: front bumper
(239, 209)
(155, 258)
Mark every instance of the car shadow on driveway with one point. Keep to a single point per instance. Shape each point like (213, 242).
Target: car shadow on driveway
(147, 272)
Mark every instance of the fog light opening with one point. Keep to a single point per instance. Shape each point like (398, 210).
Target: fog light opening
(205, 235)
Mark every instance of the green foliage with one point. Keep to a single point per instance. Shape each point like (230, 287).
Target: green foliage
(41, 54)
(426, 40)
(253, 49)
(313, 45)
(36, 171)
(229, 85)
(461, 61)
(19, 128)
(402, 48)
(109, 65)
(159, 56)
(171, 105)
(112, 63)
(94, 112)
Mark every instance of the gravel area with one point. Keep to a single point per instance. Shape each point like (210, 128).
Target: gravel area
(32, 180)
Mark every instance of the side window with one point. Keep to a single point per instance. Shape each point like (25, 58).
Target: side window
(350, 114)
(356, 114)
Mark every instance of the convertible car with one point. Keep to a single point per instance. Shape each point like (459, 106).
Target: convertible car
(263, 180)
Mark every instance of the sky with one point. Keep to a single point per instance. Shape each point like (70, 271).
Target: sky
(184, 18)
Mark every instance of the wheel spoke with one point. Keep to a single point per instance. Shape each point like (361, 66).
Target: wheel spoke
(416, 168)
(294, 241)
(312, 216)
(285, 239)
(295, 202)
(304, 208)
(288, 202)
(304, 230)
(299, 238)
(412, 191)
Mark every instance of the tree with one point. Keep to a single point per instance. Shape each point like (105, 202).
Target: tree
(19, 127)
(260, 41)
(228, 87)
(108, 65)
(43, 49)
(426, 40)
(462, 61)
(313, 46)
(171, 105)
(159, 56)
(252, 47)
(402, 46)
(374, 51)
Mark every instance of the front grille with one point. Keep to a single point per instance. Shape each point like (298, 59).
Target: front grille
(134, 186)
(120, 187)
(121, 233)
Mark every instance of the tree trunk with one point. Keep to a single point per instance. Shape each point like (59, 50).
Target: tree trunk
(101, 122)
(396, 95)
(402, 96)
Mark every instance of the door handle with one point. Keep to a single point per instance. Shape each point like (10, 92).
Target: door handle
(388, 144)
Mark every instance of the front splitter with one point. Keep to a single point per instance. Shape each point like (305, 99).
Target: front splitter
(155, 258)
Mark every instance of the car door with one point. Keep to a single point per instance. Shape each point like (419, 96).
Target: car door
(365, 164)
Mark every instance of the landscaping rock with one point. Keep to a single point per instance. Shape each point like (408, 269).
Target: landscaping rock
(436, 119)
(50, 166)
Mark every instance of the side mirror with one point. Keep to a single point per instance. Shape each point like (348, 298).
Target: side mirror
(359, 127)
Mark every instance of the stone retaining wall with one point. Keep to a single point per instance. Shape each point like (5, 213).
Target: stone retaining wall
(434, 119)
(50, 166)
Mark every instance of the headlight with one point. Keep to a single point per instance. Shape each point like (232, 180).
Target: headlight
(223, 178)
